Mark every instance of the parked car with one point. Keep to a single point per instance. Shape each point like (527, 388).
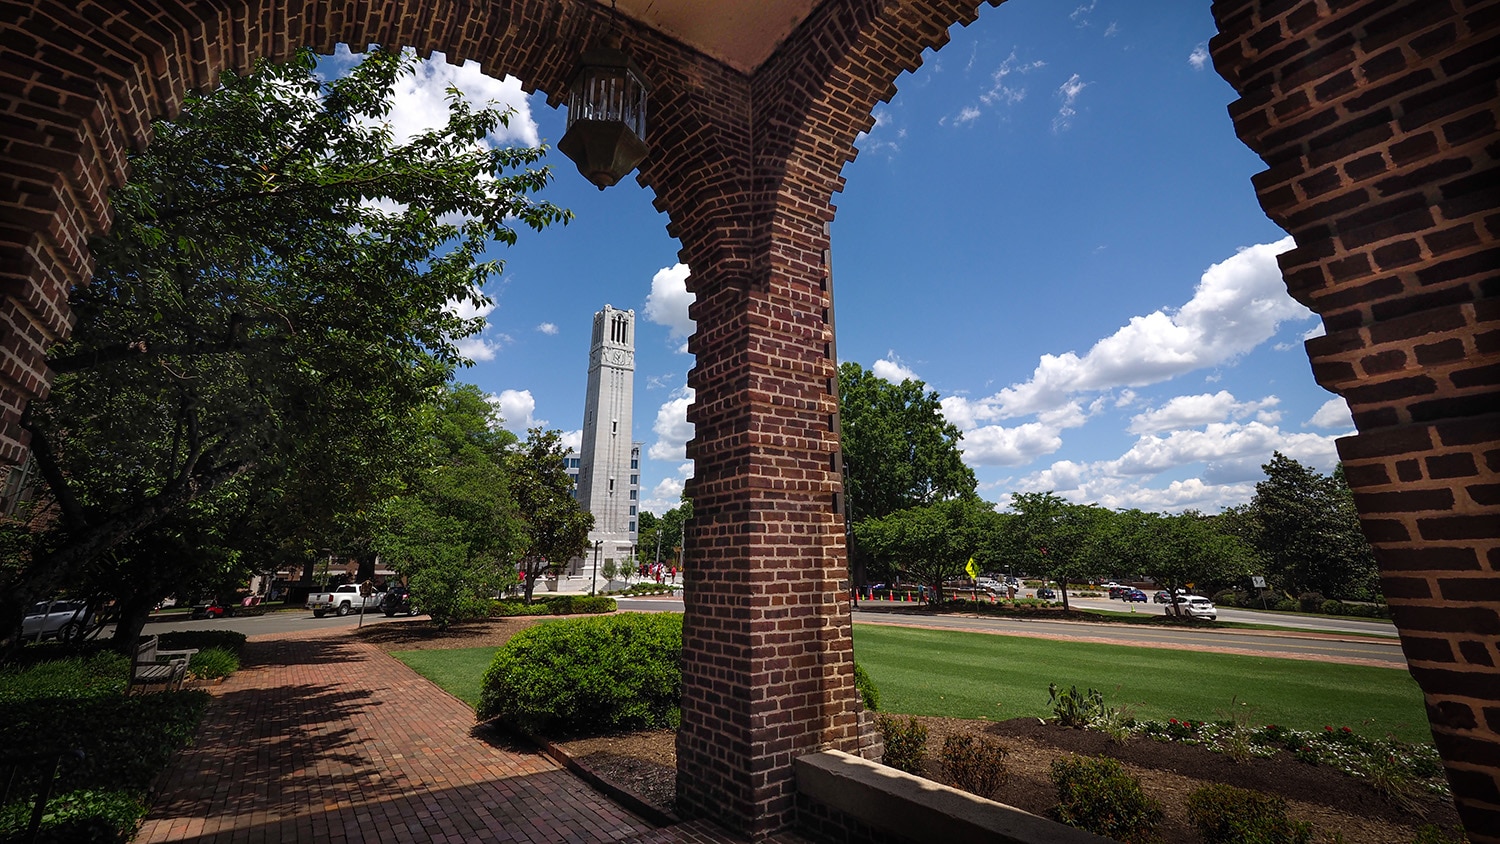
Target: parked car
(1134, 596)
(1161, 597)
(398, 600)
(67, 620)
(1047, 593)
(989, 584)
(1118, 591)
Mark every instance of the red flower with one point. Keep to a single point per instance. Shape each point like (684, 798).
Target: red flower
(1327, 728)
(1174, 720)
(1346, 729)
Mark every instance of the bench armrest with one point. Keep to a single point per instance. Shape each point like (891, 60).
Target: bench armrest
(188, 653)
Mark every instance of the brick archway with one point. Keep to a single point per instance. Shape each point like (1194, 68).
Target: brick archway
(1377, 120)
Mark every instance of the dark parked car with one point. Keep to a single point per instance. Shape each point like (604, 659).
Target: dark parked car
(1161, 597)
(1047, 593)
(1134, 596)
(397, 600)
(1119, 591)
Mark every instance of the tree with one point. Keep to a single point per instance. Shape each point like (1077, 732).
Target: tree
(1054, 536)
(275, 298)
(899, 451)
(453, 533)
(552, 528)
(931, 543)
(1307, 532)
(1176, 551)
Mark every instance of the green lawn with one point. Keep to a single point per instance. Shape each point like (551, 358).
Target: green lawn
(976, 675)
(457, 671)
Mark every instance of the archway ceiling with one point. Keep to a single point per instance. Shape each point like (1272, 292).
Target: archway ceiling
(739, 34)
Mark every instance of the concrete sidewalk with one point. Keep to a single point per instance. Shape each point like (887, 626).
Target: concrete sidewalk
(329, 740)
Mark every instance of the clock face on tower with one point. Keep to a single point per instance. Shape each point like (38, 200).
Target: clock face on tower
(617, 357)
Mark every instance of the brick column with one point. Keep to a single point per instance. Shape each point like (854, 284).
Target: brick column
(1378, 121)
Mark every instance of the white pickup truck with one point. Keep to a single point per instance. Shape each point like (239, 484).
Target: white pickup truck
(343, 600)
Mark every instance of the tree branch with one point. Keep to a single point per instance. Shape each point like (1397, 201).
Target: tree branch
(46, 462)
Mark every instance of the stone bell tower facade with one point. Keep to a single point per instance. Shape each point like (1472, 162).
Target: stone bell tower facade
(609, 465)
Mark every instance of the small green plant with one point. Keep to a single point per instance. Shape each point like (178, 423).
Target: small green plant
(1074, 708)
(1225, 814)
(1434, 834)
(213, 663)
(868, 693)
(1235, 734)
(975, 764)
(905, 744)
(588, 676)
(1097, 794)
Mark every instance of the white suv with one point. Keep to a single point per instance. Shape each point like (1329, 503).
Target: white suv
(66, 620)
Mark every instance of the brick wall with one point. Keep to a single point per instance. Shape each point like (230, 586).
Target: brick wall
(1377, 122)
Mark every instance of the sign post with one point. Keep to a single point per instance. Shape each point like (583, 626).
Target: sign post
(366, 589)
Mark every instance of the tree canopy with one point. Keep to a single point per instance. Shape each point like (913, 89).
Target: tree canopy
(278, 296)
(552, 529)
(1307, 533)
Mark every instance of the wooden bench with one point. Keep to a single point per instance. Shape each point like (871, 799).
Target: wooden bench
(153, 666)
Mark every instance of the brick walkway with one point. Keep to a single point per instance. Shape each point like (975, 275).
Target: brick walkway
(328, 740)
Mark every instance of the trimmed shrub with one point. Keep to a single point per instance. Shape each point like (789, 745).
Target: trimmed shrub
(1225, 814)
(507, 609)
(1331, 607)
(866, 688)
(1286, 605)
(580, 604)
(975, 764)
(588, 676)
(1097, 794)
(182, 640)
(213, 663)
(1310, 601)
(905, 744)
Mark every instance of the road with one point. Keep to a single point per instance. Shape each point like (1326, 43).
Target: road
(1320, 642)
(1322, 645)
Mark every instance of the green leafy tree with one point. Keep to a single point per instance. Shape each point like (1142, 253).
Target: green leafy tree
(931, 543)
(1055, 537)
(552, 528)
(1177, 550)
(274, 301)
(453, 533)
(899, 451)
(1307, 532)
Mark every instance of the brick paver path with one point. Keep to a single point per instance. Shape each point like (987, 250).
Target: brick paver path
(329, 740)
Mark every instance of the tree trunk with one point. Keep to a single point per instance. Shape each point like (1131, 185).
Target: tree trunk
(1062, 586)
(134, 610)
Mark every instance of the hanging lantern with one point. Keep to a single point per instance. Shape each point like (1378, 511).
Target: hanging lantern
(606, 115)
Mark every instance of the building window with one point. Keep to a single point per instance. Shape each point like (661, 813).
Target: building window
(632, 509)
(635, 463)
(614, 426)
(632, 527)
(635, 480)
(611, 484)
(632, 495)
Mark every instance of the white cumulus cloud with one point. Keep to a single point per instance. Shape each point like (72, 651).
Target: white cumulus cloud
(892, 369)
(672, 427)
(547, 328)
(1192, 411)
(669, 299)
(1238, 304)
(1333, 414)
(573, 440)
(421, 100)
(517, 411)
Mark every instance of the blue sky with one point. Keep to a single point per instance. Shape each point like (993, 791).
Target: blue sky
(1051, 224)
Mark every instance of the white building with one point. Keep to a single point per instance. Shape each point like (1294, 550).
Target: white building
(607, 479)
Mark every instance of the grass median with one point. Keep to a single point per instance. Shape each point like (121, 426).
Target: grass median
(978, 675)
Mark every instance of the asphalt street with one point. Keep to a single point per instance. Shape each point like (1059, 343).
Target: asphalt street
(1320, 642)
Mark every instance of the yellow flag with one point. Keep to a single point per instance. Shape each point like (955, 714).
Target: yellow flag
(972, 569)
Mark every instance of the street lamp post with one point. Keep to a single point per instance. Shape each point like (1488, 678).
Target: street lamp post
(593, 581)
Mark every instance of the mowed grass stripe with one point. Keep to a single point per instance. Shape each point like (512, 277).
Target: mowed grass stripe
(980, 675)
